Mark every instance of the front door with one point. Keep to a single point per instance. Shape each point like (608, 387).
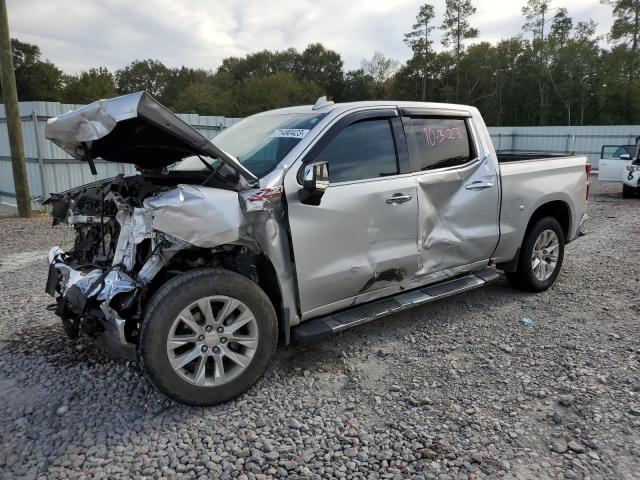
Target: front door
(362, 236)
(611, 166)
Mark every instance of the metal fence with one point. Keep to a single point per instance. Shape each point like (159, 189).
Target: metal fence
(50, 169)
(586, 140)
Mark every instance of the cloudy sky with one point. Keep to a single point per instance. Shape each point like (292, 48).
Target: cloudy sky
(80, 34)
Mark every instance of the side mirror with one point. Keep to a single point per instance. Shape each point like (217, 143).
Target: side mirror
(625, 156)
(315, 180)
(316, 176)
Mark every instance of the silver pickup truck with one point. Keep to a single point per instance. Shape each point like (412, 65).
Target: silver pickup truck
(297, 222)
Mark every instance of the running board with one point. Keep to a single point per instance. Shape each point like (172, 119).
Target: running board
(368, 312)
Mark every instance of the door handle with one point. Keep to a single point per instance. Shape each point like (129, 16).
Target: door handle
(479, 186)
(398, 198)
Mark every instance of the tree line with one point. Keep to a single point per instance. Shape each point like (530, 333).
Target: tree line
(556, 72)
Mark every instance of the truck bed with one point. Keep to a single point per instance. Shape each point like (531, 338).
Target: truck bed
(529, 181)
(517, 157)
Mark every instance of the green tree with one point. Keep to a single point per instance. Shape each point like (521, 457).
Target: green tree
(419, 41)
(149, 75)
(509, 83)
(36, 79)
(379, 67)
(573, 74)
(89, 85)
(626, 31)
(322, 67)
(258, 94)
(626, 26)
(535, 13)
(477, 72)
(204, 98)
(359, 85)
(179, 79)
(561, 27)
(457, 29)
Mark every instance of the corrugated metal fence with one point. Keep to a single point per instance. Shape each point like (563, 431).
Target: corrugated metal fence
(563, 140)
(51, 170)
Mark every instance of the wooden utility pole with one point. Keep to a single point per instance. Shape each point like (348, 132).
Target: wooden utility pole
(14, 126)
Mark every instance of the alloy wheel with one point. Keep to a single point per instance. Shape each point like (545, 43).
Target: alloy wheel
(544, 258)
(212, 341)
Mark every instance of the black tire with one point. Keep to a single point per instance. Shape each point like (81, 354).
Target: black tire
(628, 192)
(524, 278)
(169, 301)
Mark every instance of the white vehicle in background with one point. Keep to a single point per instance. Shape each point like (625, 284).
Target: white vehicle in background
(620, 162)
(631, 179)
(613, 159)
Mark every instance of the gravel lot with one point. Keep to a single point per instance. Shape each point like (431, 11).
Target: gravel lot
(457, 389)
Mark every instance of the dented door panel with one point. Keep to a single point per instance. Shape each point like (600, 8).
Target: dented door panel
(458, 216)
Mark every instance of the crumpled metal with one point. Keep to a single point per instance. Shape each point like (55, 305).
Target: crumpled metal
(261, 198)
(91, 122)
(136, 225)
(114, 283)
(202, 216)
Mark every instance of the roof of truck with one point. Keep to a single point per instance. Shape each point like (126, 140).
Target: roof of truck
(342, 107)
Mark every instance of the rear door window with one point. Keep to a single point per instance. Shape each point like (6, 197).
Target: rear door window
(361, 151)
(438, 142)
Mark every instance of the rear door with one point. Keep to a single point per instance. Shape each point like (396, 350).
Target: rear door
(362, 236)
(458, 192)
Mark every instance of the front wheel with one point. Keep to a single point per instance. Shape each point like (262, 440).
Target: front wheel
(207, 336)
(541, 257)
(628, 192)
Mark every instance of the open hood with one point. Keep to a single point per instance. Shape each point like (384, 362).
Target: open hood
(134, 129)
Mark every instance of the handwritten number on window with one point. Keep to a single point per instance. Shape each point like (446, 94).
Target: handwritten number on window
(442, 135)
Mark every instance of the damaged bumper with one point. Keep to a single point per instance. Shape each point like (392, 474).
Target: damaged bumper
(93, 299)
(80, 287)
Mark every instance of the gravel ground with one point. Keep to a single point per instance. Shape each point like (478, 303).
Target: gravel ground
(456, 389)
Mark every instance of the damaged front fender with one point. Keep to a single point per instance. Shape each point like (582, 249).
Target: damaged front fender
(202, 216)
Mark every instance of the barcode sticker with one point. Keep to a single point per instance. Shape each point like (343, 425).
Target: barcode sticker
(289, 133)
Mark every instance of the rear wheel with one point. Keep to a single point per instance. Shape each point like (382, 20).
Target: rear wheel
(207, 336)
(541, 257)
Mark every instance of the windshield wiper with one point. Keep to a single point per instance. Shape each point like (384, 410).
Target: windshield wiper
(207, 164)
(214, 171)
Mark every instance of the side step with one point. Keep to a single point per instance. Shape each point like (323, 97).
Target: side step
(368, 312)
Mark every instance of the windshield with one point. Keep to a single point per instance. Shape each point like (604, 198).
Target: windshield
(260, 142)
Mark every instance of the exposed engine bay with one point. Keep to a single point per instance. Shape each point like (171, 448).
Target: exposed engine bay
(119, 259)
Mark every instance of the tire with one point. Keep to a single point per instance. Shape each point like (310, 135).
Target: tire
(628, 192)
(176, 310)
(526, 277)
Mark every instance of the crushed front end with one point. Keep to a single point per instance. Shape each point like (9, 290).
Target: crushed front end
(181, 212)
(101, 283)
(123, 239)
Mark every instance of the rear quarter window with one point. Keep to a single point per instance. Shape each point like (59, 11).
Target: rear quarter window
(438, 142)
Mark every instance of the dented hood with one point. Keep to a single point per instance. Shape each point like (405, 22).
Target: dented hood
(134, 129)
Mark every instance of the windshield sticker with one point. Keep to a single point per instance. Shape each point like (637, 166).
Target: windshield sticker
(289, 133)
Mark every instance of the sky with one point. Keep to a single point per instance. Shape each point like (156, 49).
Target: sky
(80, 34)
